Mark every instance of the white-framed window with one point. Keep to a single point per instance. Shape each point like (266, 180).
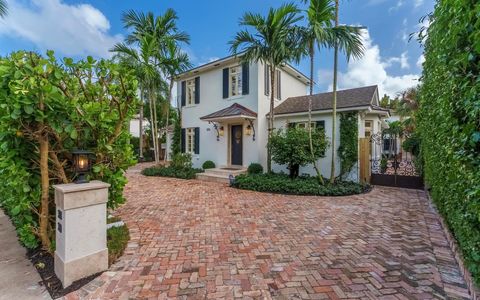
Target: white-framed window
(235, 77)
(368, 128)
(190, 140)
(190, 99)
(304, 125)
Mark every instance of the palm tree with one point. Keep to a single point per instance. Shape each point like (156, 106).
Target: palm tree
(320, 33)
(3, 8)
(148, 75)
(348, 40)
(175, 61)
(164, 30)
(276, 41)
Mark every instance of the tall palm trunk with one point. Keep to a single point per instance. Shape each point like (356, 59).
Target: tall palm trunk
(270, 120)
(157, 141)
(312, 57)
(152, 124)
(141, 125)
(334, 106)
(170, 88)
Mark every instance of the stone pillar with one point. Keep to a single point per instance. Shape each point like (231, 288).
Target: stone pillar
(81, 230)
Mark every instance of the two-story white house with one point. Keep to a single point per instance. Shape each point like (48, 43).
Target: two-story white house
(225, 106)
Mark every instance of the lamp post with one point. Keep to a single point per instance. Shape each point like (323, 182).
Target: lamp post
(82, 164)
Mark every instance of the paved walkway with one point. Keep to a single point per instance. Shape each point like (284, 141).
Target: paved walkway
(197, 240)
(18, 277)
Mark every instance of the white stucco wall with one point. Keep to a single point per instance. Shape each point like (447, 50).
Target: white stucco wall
(211, 100)
(134, 126)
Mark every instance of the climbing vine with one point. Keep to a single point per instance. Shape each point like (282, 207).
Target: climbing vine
(348, 149)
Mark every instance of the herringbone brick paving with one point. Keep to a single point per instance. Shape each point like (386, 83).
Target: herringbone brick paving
(200, 240)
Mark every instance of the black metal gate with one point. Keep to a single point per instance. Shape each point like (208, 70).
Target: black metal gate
(390, 164)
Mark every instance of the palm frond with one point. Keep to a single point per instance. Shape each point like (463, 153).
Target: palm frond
(3, 8)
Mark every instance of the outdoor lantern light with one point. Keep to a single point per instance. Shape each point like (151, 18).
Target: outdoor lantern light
(248, 130)
(82, 164)
(220, 131)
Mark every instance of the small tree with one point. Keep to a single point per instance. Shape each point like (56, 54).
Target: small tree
(292, 148)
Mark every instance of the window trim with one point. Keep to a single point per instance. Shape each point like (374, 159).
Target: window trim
(190, 140)
(190, 84)
(239, 81)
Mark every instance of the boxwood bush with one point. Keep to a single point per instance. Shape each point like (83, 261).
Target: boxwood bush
(302, 185)
(255, 168)
(448, 121)
(208, 165)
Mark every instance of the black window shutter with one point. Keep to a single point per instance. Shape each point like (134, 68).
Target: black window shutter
(197, 140)
(320, 125)
(279, 85)
(245, 78)
(197, 90)
(267, 79)
(184, 93)
(225, 83)
(182, 141)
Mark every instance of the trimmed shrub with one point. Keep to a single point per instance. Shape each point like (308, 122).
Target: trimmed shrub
(303, 185)
(208, 165)
(182, 161)
(117, 240)
(255, 168)
(182, 173)
(448, 121)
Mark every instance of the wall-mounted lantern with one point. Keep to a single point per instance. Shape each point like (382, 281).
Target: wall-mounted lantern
(218, 129)
(250, 129)
(82, 164)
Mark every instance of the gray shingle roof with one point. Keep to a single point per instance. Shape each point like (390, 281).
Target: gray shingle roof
(233, 110)
(362, 96)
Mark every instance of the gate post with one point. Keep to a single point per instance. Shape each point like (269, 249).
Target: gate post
(364, 160)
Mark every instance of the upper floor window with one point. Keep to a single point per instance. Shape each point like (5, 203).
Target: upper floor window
(368, 128)
(235, 81)
(277, 93)
(190, 99)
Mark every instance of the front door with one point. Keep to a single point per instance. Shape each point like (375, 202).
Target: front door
(237, 145)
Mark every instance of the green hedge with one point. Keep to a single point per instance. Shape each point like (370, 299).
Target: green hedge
(448, 121)
(283, 184)
(183, 173)
(348, 149)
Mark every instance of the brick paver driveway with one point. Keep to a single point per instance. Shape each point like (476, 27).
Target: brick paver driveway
(196, 240)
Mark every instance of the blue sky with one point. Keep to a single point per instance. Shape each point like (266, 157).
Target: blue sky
(80, 28)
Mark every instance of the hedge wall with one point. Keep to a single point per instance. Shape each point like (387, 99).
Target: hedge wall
(449, 120)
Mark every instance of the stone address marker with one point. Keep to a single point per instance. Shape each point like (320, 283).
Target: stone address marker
(81, 230)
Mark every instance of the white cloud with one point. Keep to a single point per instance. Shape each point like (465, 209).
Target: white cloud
(69, 29)
(402, 61)
(417, 3)
(371, 70)
(396, 6)
(420, 61)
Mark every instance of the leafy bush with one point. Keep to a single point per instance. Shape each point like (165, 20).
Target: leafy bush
(208, 165)
(412, 144)
(48, 108)
(303, 185)
(448, 121)
(117, 240)
(292, 147)
(182, 161)
(255, 168)
(183, 173)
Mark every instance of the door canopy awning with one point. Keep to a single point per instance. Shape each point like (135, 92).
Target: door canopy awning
(231, 113)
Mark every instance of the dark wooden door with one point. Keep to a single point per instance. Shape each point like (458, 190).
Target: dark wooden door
(237, 145)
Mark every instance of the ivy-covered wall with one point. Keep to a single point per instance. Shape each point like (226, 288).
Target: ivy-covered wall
(348, 149)
(449, 121)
